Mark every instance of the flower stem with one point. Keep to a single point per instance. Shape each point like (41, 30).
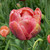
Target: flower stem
(25, 45)
(6, 48)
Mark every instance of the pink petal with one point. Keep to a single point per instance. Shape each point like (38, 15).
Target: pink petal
(14, 16)
(17, 31)
(36, 30)
(37, 15)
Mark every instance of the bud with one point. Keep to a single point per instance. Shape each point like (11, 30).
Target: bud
(4, 31)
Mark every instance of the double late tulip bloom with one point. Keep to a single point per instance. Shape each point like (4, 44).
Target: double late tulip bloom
(4, 31)
(25, 23)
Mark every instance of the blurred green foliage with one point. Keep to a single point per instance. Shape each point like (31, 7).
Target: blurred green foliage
(11, 42)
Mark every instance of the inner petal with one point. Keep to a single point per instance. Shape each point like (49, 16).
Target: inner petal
(25, 12)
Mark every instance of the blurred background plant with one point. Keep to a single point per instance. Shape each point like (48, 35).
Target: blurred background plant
(11, 42)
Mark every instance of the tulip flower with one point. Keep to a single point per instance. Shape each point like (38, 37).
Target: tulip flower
(4, 31)
(48, 38)
(25, 23)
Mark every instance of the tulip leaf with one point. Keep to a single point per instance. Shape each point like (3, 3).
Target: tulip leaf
(36, 43)
(19, 48)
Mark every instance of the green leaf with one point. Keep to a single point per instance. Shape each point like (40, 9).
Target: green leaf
(19, 48)
(36, 43)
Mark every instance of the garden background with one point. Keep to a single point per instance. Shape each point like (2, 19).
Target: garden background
(11, 42)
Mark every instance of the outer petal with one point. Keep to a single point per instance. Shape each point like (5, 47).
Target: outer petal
(14, 16)
(36, 30)
(27, 35)
(4, 27)
(17, 31)
(37, 15)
